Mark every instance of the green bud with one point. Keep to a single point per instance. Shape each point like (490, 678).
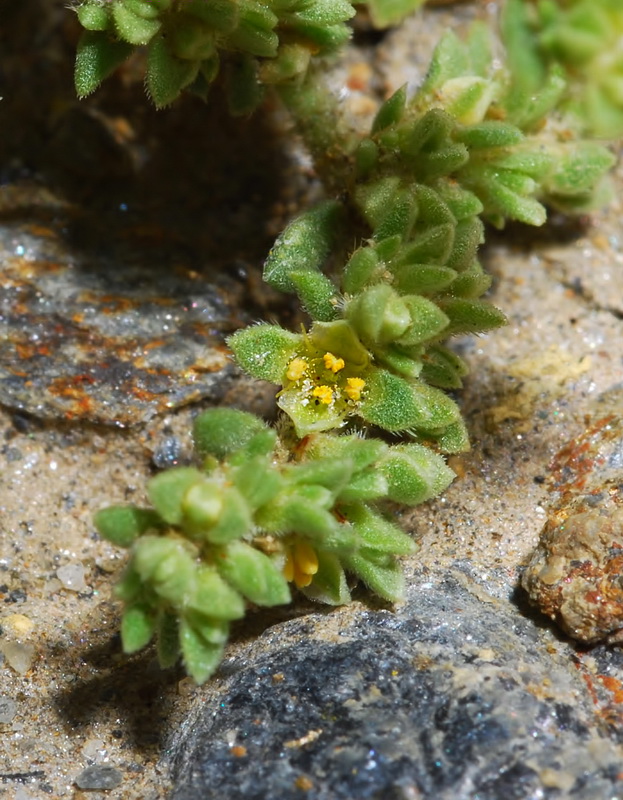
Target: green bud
(142, 8)
(94, 17)
(121, 525)
(375, 198)
(202, 506)
(432, 246)
(132, 28)
(253, 574)
(168, 489)
(378, 314)
(427, 321)
(362, 452)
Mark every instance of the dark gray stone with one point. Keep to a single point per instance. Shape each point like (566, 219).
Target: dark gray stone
(453, 696)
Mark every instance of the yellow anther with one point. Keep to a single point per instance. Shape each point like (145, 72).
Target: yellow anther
(305, 558)
(288, 567)
(301, 579)
(354, 387)
(333, 363)
(324, 394)
(296, 369)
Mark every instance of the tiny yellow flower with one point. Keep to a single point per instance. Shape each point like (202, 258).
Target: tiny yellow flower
(324, 394)
(333, 363)
(296, 369)
(353, 388)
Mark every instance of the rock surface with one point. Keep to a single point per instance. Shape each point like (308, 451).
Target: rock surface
(450, 696)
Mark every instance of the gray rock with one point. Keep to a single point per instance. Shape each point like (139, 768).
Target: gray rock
(453, 696)
(8, 709)
(99, 777)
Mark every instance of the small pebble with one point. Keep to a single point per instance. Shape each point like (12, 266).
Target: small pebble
(167, 453)
(18, 624)
(18, 656)
(72, 577)
(8, 709)
(99, 777)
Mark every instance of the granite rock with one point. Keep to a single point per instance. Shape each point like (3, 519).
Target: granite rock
(454, 695)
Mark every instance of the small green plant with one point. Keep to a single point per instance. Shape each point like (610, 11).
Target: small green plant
(251, 518)
(482, 140)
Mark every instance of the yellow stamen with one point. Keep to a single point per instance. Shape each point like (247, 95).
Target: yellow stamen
(296, 369)
(324, 394)
(354, 387)
(288, 567)
(301, 579)
(305, 558)
(333, 363)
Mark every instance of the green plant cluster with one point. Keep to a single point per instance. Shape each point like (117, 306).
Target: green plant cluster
(420, 183)
(237, 529)
(576, 43)
(484, 139)
(267, 41)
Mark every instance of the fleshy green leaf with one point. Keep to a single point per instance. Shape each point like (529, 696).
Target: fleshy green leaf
(137, 627)
(264, 351)
(253, 574)
(329, 583)
(304, 245)
(166, 74)
(201, 658)
(121, 525)
(219, 432)
(97, 56)
(414, 474)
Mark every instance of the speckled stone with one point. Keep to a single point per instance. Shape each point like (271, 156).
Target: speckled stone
(451, 697)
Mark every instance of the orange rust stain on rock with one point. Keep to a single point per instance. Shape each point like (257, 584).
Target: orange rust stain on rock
(571, 465)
